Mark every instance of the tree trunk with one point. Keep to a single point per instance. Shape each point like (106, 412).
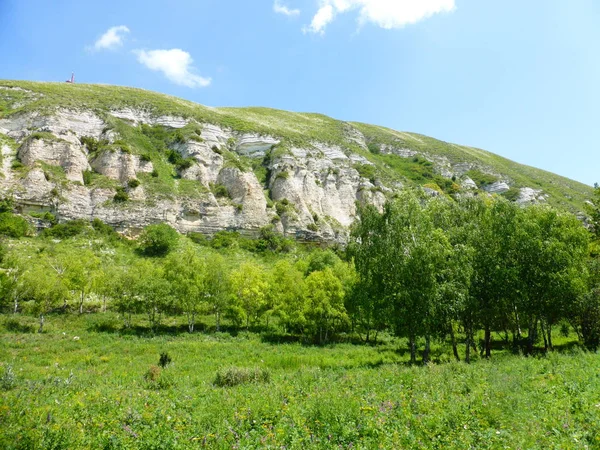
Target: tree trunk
(544, 335)
(104, 303)
(218, 320)
(468, 349)
(453, 339)
(41, 329)
(16, 305)
(427, 350)
(413, 349)
(488, 342)
(549, 331)
(191, 322)
(81, 303)
(531, 338)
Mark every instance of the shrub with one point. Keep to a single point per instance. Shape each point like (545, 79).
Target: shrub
(121, 196)
(145, 158)
(512, 194)
(66, 230)
(312, 227)
(154, 174)
(158, 240)
(282, 175)
(366, 171)
(7, 205)
(480, 178)
(13, 226)
(133, 183)
(164, 360)
(16, 164)
(219, 190)
(197, 238)
(102, 228)
(374, 148)
(234, 376)
(156, 378)
(87, 177)
(217, 150)
(8, 379)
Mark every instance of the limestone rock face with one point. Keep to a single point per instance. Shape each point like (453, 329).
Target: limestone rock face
(497, 188)
(120, 166)
(55, 153)
(309, 192)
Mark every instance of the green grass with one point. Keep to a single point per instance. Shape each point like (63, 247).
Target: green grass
(82, 384)
(294, 129)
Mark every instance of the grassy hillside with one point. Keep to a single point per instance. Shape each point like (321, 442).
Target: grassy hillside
(85, 384)
(295, 129)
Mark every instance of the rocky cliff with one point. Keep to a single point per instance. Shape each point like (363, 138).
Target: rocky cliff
(132, 158)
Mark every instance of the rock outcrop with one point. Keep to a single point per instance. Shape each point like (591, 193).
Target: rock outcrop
(224, 179)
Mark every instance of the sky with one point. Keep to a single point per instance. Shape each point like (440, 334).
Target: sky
(518, 78)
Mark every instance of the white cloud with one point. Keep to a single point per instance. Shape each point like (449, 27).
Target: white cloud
(321, 19)
(112, 39)
(280, 8)
(387, 14)
(175, 64)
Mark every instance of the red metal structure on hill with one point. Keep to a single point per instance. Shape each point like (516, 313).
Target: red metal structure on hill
(72, 80)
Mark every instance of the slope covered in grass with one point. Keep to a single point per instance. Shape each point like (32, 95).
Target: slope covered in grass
(92, 387)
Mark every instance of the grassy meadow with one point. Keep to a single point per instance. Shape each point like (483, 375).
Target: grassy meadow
(88, 383)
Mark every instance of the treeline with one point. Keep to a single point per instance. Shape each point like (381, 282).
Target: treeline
(428, 268)
(423, 269)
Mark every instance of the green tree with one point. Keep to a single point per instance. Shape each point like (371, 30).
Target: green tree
(217, 287)
(286, 295)
(81, 269)
(249, 287)
(158, 240)
(186, 272)
(324, 304)
(45, 290)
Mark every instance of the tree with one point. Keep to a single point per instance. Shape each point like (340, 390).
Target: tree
(217, 287)
(286, 295)
(249, 288)
(44, 288)
(158, 240)
(324, 304)
(186, 273)
(81, 269)
(153, 289)
(593, 209)
(552, 251)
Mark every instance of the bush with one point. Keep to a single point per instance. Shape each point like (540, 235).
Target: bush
(102, 228)
(197, 238)
(374, 148)
(13, 226)
(16, 164)
(133, 183)
(158, 240)
(366, 171)
(7, 205)
(66, 230)
(8, 379)
(87, 177)
(234, 376)
(154, 174)
(219, 190)
(145, 158)
(156, 378)
(121, 196)
(312, 227)
(164, 360)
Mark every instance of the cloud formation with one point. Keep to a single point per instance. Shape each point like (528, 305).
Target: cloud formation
(280, 8)
(175, 64)
(386, 14)
(112, 39)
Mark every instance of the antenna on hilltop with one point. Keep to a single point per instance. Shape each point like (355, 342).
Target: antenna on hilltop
(72, 80)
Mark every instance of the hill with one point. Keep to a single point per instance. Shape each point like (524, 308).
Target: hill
(131, 157)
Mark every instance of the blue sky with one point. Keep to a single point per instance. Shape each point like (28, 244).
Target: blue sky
(518, 78)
